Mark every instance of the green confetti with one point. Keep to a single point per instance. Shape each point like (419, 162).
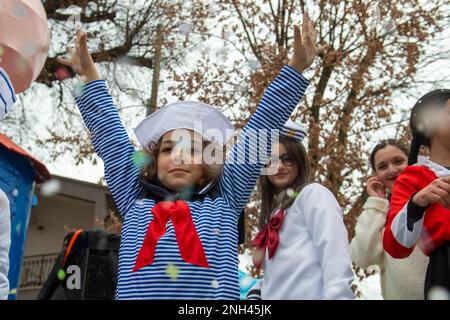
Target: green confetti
(18, 227)
(61, 274)
(172, 271)
(13, 291)
(141, 159)
(291, 193)
(78, 90)
(186, 194)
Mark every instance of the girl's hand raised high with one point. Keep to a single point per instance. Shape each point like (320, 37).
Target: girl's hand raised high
(80, 59)
(305, 49)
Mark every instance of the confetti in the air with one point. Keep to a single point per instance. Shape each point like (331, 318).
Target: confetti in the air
(35, 201)
(20, 65)
(20, 10)
(254, 64)
(243, 89)
(215, 284)
(30, 49)
(78, 90)
(50, 188)
(438, 293)
(18, 228)
(141, 159)
(245, 282)
(13, 291)
(74, 21)
(185, 28)
(186, 194)
(217, 231)
(61, 274)
(388, 27)
(15, 192)
(130, 4)
(140, 203)
(172, 271)
(376, 13)
(292, 193)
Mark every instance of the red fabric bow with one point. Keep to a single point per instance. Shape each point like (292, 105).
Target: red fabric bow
(268, 238)
(191, 249)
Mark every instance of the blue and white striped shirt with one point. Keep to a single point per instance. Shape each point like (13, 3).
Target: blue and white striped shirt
(215, 219)
(7, 94)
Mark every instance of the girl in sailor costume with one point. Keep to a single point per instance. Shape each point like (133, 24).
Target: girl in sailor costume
(303, 244)
(7, 99)
(420, 212)
(183, 246)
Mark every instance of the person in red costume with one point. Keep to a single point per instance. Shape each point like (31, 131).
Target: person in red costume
(420, 213)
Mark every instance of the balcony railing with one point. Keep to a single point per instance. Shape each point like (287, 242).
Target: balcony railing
(36, 269)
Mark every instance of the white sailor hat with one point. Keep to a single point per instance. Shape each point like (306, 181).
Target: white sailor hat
(197, 116)
(7, 96)
(293, 130)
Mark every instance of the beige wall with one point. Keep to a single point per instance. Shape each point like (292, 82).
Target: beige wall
(46, 230)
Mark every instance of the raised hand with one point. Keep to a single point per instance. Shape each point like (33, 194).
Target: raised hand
(375, 188)
(436, 192)
(80, 59)
(305, 49)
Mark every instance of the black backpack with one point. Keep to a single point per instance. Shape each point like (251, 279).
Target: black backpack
(96, 253)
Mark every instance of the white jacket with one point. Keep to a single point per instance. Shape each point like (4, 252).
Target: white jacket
(400, 278)
(312, 260)
(5, 242)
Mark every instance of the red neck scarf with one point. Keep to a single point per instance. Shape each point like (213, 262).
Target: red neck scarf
(191, 249)
(268, 238)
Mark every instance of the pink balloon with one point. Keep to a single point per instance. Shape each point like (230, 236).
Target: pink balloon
(24, 40)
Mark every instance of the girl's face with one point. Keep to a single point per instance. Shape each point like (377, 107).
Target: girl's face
(389, 163)
(442, 133)
(179, 165)
(286, 168)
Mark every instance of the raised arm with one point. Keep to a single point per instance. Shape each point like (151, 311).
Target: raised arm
(247, 157)
(109, 137)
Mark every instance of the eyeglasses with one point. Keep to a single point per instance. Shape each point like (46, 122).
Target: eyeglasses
(286, 159)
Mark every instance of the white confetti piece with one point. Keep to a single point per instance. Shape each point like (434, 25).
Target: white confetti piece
(215, 284)
(438, 293)
(50, 188)
(185, 28)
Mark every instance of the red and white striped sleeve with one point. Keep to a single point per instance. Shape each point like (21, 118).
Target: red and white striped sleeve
(400, 236)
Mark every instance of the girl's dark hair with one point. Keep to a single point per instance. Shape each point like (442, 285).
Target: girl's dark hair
(383, 144)
(267, 190)
(421, 136)
(211, 172)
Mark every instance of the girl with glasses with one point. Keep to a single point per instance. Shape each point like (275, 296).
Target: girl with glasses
(303, 244)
